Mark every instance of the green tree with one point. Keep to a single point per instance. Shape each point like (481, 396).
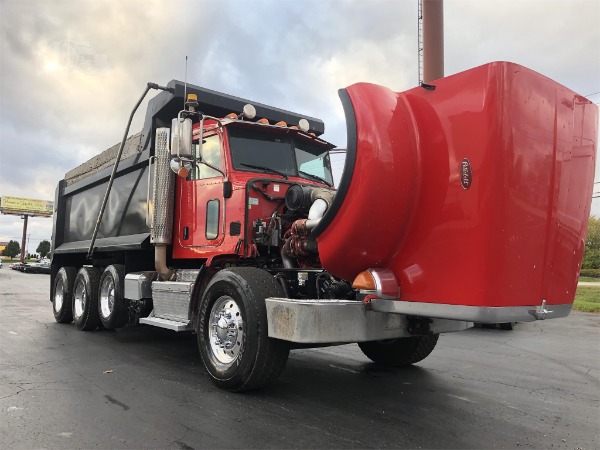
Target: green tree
(44, 248)
(12, 249)
(591, 256)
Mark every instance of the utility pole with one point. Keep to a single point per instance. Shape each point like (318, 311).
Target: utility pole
(431, 15)
(24, 239)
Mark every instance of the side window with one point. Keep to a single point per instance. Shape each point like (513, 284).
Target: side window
(211, 153)
(212, 219)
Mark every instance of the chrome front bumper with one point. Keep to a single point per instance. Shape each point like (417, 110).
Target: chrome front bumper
(341, 321)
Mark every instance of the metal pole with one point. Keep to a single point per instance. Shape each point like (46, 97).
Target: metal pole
(114, 171)
(24, 239)
(433, 40)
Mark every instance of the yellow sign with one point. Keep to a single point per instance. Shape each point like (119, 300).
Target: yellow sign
(16, 205)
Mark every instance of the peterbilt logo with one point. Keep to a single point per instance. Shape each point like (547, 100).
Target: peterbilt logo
(466, 174)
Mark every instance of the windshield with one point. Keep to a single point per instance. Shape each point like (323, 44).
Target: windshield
(257, 151)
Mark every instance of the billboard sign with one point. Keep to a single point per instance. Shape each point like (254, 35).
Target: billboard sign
(27, 206)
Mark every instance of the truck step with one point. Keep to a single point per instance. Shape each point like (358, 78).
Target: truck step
(165, 323)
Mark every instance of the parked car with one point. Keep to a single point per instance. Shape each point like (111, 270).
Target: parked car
(36, 268)
(18, 266)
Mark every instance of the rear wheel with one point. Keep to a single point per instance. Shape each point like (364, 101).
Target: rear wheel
(400, 352)
(232, 330)
(112, 308)
(62, 298)
(85, 299)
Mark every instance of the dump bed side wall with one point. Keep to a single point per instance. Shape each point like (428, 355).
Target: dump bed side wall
(125, 221)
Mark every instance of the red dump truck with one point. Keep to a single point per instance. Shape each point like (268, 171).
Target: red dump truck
(461, 201)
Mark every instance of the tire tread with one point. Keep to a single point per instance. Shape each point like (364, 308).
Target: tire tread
(400, 352)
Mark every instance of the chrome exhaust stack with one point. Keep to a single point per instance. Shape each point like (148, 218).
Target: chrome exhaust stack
(163, 199)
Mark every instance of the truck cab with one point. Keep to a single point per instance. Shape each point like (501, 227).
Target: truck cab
(232, 200)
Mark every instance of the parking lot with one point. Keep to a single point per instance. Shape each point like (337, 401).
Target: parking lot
(534, 387)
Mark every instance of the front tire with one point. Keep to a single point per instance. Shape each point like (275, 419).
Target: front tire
(112, 308)
(62, 294)
(232, 330)
(400, 352)
(85, 299)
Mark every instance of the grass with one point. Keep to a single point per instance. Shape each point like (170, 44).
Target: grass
(589, 279)
(587, 298)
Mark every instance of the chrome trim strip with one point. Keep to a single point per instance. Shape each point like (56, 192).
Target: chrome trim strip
(378, 283)
(482, 314)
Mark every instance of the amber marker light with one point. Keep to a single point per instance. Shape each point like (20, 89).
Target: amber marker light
(364, 281)
(192, 98)
(281, 123)
(265, 121)
(231, 115)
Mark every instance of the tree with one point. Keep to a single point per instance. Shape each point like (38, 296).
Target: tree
(44, 248)
(591, 256)
(12, 249)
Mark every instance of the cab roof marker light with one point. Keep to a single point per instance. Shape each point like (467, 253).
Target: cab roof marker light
(263, 121)
(281, 123)
(231, 115)
(304, 125)
(249, 112)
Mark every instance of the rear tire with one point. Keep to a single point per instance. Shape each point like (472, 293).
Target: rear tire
(400, 352)
(112, 307)
(62, 294)
(85, 299)
(232, 330)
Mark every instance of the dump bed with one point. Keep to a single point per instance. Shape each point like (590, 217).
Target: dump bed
(474, 193)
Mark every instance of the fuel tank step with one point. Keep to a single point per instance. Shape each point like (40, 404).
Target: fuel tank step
(168, 324)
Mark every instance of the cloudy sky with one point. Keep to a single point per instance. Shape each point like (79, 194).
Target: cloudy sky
(294, 54)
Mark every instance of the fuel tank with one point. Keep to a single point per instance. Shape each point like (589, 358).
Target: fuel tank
(475, 191)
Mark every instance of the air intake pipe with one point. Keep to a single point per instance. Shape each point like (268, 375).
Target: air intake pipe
(163, 195)
(300, 243)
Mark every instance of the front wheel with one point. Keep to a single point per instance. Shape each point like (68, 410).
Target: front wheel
(232, 330)
(400, 352)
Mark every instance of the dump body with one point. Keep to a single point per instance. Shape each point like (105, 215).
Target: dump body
(476, 193)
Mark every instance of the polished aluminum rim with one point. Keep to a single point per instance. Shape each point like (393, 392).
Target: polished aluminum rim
(107, 297)
(79, 299)
(59, 295)
(226, 331)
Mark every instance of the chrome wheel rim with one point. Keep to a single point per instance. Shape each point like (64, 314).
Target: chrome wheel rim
(107, 297)
(226, 332)
(59, 295)
(79, 299)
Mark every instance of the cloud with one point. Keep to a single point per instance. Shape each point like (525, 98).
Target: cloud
(295, 55)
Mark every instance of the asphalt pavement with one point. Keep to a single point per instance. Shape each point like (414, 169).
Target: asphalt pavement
(142, 387)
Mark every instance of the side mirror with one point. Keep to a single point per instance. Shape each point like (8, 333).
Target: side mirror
(181, 138)
(227, 189)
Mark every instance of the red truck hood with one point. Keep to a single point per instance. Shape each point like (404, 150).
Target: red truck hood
(476, 193)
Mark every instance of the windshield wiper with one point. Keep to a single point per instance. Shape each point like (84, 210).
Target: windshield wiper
(315, 177)
(268, 169)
